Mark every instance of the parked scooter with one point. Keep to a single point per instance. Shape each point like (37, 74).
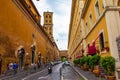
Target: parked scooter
(49, 68)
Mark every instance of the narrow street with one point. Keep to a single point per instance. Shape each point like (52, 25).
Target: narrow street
(67, 72)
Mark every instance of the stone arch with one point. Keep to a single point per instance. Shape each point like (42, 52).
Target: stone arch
(16, 51)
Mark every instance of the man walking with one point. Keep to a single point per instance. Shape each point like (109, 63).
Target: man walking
(15, 67)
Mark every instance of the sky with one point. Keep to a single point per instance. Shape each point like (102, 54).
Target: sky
(61, 18)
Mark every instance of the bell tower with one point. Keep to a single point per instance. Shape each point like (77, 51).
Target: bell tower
(48, 23)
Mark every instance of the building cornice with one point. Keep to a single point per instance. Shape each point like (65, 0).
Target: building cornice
(108, 8)
(24, 8)
(86, 5)
(71, 19)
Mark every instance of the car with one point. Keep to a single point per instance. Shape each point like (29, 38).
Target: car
(66, 63)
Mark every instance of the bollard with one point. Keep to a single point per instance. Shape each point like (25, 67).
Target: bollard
(61, 76)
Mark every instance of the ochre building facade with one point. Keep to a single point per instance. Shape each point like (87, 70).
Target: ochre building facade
(20, 26)
(94, 22)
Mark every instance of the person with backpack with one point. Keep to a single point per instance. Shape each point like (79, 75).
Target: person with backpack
(15, 67)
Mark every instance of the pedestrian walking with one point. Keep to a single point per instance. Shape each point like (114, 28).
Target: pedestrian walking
(35, 67)
(15, 67)
(39, 64)
(0, 64)
(10, 66)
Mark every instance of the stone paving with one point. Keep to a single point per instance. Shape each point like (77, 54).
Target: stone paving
(69, 74)
(88, 75)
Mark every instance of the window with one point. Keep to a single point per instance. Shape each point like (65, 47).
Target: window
(46, 16)
(88, 45)
(46, 21)
(102, 5)
(49, 21)
(86, 25)
(44, 27)
(49, 16)
(97, 9)
(91, 20)
(101, 38)
(50, 33)
(50, 28)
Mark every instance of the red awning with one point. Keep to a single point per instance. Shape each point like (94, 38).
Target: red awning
(92, 50)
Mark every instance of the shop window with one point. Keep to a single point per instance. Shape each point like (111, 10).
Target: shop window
(101, 38)
(97, 9)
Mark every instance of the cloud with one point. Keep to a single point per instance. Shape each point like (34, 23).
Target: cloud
(61, 18)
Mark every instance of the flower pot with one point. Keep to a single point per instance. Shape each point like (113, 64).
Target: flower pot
(84, 67)
(96, 71)
(110, 77)
(81, 67)
(90, 70)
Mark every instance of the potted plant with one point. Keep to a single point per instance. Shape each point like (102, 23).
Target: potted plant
(96, 66)
(108, 63)
(82, 62)
(93, 61)
(85, 62)
(88, 61)
(76, 61)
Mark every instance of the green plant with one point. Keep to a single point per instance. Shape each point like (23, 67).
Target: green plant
(88, 61)
(108, 63)
(76, 61)
(82, 61)
(93, 60)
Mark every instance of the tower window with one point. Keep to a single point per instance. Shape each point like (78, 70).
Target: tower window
(46, 16)
(49, 16)
(46, 21)
(50, 28)
(49, 21)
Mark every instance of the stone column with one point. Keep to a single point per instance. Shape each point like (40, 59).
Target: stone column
(113, 28)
